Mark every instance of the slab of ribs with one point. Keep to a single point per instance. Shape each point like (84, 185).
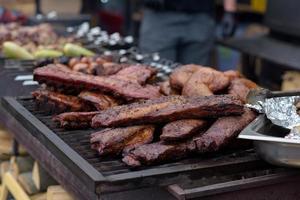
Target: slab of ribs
(54, 76)
(170, 108)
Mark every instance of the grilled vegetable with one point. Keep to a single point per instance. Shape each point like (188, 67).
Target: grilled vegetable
(47, 53)
(75, 50)
(12, 50)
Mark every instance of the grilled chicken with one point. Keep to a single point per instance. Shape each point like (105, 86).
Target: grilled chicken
(240, 88)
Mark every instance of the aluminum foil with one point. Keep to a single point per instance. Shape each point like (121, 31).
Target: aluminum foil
(280, 110)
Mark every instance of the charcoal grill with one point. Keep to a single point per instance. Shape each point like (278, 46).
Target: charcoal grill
(95, 176)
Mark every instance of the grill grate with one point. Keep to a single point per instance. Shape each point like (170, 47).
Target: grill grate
(111, 174)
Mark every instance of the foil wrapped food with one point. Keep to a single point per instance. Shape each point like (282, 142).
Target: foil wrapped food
(280, 110)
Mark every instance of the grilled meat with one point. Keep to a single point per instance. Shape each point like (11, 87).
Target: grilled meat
(109, 68)
(158, 152)
(223, 131)
(125, 89)
(215, 80)
(232, 74)
(99, 100)
(166, 89)
(168, 108)
(114, 141)
(136, 74)
(182, 129)
(194, 87)
(181, 75)
(75, 120)
(240, 88)
(60, 102)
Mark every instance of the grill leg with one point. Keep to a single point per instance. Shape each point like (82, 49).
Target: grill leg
(15, 148)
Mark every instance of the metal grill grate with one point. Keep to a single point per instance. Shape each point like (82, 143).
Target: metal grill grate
(111, 174)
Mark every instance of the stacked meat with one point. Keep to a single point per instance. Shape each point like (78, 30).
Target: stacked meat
(32, 37)
(197, 110)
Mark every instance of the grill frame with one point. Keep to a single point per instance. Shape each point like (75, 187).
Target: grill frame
(162, 175)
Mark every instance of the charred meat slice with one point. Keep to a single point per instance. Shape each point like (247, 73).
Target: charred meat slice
(240, 88)
(99, 100)
(182, 129)
(136, 73)
(181, 75)
(125, 89)
(60, 102)
(158, 152)
(223, 131)
(169, 108)
(75, 120)
(114, 141)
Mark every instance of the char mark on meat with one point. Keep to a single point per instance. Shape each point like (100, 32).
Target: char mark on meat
(58, 103)
(99, 100)
(167, 109)
(114, 141)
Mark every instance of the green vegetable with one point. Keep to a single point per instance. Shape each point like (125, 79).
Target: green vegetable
(12, 50)
(75, 50)
(47, 53)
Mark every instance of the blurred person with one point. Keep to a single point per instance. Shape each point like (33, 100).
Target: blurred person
(183, 30)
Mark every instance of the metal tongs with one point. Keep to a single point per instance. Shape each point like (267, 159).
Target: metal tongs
(278, 106)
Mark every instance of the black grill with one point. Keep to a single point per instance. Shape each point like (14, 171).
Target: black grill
(111, 174)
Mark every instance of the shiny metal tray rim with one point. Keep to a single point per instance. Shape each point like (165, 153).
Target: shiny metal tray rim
(250, 133)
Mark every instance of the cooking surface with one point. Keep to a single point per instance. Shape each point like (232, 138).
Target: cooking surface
(106, 174)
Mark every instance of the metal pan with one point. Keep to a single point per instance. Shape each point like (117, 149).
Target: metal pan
(270, 144)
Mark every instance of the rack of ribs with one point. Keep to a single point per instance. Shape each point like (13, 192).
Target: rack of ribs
(158, 152)
(167, 109)
(120, 88)
(223, 131)
(114, 141)
(59, 102)
(75, 120)
(99, 100)
(182, 129)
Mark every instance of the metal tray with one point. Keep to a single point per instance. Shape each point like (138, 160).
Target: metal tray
(270, 144)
